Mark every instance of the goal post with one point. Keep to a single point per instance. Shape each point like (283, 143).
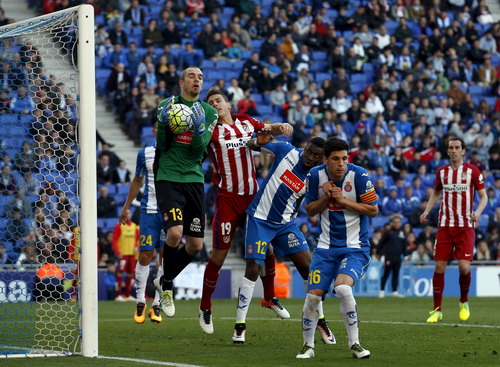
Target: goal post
(48, 208)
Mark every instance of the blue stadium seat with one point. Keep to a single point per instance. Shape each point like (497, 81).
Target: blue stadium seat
(256, 43)
(122, 189)
(265, 110)
(379, 222)
(476, 89)
(207, 64)
(257, 97)
(484, 219)
(319, 56)
(223, 64)
(227, 11)
(322, 76)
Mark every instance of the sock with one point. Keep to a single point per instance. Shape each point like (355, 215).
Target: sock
(464, 281)
(156, 301)
(348, 312)
(310, 316)
(320, 310)
(209, 283)
(438, 286)
(245, 294)
(182, 259)
(141, 279)
(268, 279)
(169, 255)
(128, 285)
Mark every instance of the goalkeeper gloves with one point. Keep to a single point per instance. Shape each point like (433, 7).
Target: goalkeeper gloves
(198, 119)
(164, 112)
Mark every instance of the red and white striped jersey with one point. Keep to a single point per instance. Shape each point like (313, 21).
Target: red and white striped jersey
(234, 168)
(459, 187)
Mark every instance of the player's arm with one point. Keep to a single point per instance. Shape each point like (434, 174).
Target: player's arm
(317, 206)
(483, 200)
(279, 128)
(264, 136)
(164, 136)
(430, 204)
(135, 186)
(360, 208)
(114, 241)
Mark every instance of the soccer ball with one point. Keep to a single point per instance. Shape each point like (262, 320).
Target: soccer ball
(181, 118)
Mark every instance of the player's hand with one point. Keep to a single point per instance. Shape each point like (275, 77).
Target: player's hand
(123, 216)
(198, 119)
(473, 217)
(328, 188)
(337, 193)
(264, 136)
(164, 114)
(423, 218)
(286, 129)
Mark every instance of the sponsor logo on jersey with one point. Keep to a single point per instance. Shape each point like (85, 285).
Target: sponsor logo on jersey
(195, 225)
(369, 186)
(343, 263)
(481, 179)
(354, 272)
(165, 217)
(250, 249)
(455, 187)
(334, 205)
(292, 181)
(239, 143)
(347, 187)
(184, 138)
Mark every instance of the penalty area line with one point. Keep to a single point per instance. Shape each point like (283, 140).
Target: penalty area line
(362, 321)
(148, 361)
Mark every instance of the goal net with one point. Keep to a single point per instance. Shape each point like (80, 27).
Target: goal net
(45, 157)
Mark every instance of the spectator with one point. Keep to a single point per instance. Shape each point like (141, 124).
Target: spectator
(391, 204)
(118, 35)
(420, 256)
(247, 105)
(135, 16)
(8, 184)
(104, 170)
(121, 174)
(341, 103)
(487, 73)
(189, 56)
(171, 34)
(106, 204)
(152, 34)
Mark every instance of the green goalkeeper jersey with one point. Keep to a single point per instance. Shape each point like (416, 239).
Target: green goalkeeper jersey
(181, 162)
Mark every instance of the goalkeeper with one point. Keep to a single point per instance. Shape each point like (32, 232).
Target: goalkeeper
(179, 181)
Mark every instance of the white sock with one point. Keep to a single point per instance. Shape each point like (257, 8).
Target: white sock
(244, 297)
(348, 312)
(141, 279)
(310, 316)
(320, 310)
(156, 301)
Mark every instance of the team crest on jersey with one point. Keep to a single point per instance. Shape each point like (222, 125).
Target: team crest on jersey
(347, 187)
(292, 181)
(184, 138)
(463, 176)
(165, 217)
(250, 249)
(226, 239)
(245, 127)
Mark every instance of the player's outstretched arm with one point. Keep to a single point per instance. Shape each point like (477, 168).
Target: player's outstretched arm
(280, 128)
(135, 186)
(264, 136)
(430, 204)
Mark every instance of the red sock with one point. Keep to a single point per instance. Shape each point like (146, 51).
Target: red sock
(268, 279)
(464, 281)
(128, 286)
(209, 284)
(438, 285)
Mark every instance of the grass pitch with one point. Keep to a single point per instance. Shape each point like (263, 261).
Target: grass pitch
(394, 330)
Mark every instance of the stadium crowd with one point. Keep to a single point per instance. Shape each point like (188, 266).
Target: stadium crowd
(394, 78)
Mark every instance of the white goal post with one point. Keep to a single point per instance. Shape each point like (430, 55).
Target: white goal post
(65, 159)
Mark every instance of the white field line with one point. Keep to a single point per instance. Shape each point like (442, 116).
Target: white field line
(300, 320)
(148, 361)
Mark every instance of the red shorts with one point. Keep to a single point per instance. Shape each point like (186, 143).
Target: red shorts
(454, 243)
(229, 214)
(127, 264)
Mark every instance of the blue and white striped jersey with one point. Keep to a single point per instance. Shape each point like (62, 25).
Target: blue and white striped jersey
(341, 227)
(284, 185)
(144, 168)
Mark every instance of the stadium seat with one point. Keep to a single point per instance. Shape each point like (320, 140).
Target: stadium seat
(379, 222)
(483, 222)
(223, 64)
(122, 189)
(319, 56)
(476, 89)
(322, 76)
(256, 43)
(207, 64)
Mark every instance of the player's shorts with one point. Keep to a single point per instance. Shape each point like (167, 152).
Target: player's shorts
(327, 264)
(151, 229)
(454, 243)
(182, 204)
(229, 214)
(287, 239)
(127, 264)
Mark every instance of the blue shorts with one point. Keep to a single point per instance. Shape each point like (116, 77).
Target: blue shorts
(286, 239)
(151, 230)
(328, 263)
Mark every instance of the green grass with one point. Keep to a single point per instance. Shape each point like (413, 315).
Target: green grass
(394, 330)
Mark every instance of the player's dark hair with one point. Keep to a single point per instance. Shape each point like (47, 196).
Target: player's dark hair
(214, 91)
(317, 142)
(334, 144)
(456, 138)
